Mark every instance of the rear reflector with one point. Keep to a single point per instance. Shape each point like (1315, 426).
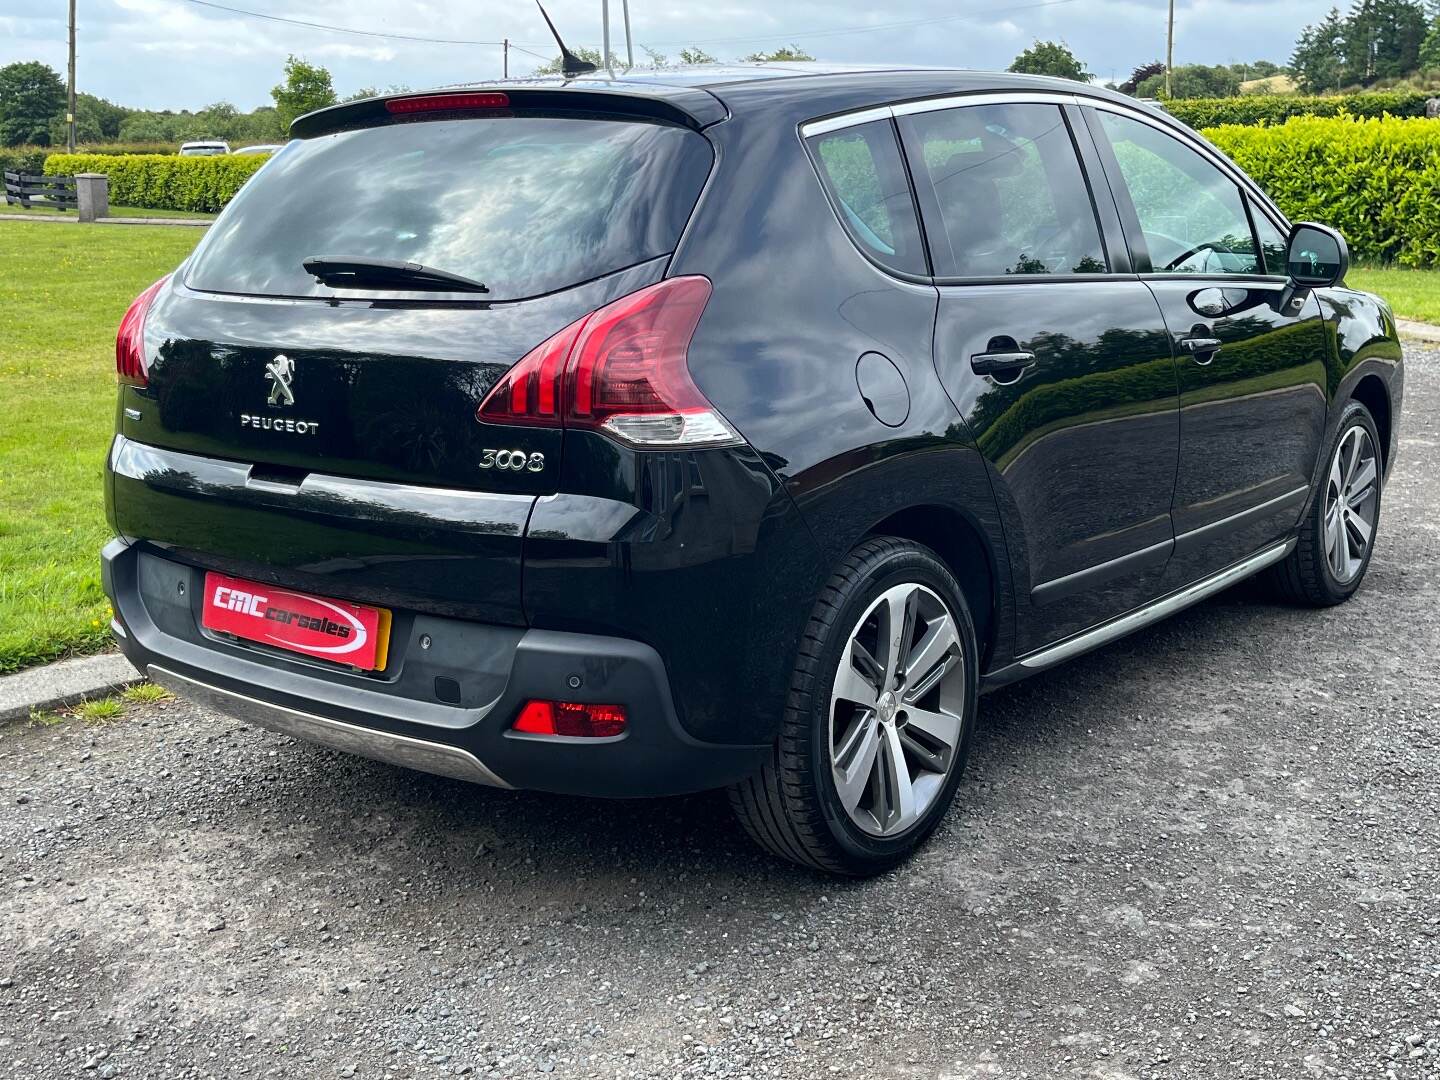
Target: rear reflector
(622, 370)
(438, 102)
(571, 718)
(131, 363)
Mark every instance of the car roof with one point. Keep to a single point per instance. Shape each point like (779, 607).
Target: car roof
(704, 94)
(828, 87)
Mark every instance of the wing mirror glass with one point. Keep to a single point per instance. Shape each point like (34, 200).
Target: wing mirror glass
(1317, 256)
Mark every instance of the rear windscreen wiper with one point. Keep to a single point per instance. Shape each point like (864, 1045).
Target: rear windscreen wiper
(359, 272)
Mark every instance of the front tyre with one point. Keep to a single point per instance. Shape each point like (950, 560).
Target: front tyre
(1337, 537)
(878, 719)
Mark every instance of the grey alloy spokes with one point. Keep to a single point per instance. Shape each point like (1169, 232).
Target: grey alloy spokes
(1351, 504)
(897, 709)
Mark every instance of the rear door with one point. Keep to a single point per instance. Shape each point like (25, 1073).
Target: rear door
(1252, 373)
(1055, 354)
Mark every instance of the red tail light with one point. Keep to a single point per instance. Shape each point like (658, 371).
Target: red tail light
(571, 718)
(442, 102)
(622, 370)
(131, 363)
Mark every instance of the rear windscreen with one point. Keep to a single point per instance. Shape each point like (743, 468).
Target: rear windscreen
(526, 205)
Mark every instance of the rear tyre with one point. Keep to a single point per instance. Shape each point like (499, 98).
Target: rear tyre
(1338, 534)
(878, 719)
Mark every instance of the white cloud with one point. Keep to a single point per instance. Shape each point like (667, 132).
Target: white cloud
(215, 55)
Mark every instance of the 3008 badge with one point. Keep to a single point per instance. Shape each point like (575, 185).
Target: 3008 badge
(516, 460)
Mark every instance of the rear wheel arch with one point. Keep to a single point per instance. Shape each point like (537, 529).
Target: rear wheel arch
(966, 553)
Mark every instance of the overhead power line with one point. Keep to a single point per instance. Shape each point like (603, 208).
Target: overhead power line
(788, 35)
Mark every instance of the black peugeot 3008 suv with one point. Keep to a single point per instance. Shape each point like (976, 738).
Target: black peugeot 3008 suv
(727, 428)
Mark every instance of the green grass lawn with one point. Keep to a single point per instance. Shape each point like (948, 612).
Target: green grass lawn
(1412, 294)
(115, 211)
(62, 293)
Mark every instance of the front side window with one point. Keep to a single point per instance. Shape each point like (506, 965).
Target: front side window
(1008, 188)
(1273, 243)
(1191, 214)
(865, 179)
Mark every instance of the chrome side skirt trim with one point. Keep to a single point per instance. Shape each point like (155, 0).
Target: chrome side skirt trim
(1154, 612)
(402, 750)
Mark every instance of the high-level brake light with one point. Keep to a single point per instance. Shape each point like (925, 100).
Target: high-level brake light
(446, 102)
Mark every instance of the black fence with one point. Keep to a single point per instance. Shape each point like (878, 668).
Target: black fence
(30, 190)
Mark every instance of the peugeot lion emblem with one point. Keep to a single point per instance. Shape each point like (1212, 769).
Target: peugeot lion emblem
(280, 371)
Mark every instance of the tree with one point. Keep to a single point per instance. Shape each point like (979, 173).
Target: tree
(1430, 48)
(789, 53)
(590, 56)
(1317, 62)
(95, 120)
(1139, 75)
(307, 87)
(1050, 58)
(695, 56)
(1192, 81)
(1382, 39)
(375, 91)
(31, 94)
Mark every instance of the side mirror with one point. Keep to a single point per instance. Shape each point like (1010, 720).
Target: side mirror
(1317, 256)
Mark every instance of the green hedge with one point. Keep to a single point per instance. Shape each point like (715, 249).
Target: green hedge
(1377, 181)
(1277, 108)
(164, 182)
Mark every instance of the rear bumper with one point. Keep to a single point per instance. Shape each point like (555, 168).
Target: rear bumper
(446, 708)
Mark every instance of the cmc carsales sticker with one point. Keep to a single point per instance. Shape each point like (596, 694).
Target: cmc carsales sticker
(350, 634)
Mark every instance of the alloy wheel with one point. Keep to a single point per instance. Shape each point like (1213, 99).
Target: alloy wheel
(897, 709)
(1351, 504)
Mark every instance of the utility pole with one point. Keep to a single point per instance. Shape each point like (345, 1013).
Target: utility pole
(629, 48)
(505, 63)
(1170, 49)
(70, 93)
(605, 37)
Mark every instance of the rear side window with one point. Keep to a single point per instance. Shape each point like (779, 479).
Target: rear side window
(865, 179)
(1007, 185)
(526, 205)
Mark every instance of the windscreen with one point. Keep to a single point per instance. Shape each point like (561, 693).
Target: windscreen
(525, 204)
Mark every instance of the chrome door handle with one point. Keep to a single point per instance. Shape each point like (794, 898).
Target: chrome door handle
(1203, 349)
(1002, 363)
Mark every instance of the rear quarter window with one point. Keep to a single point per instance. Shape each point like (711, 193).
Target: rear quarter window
(865, 179)
(525, 204)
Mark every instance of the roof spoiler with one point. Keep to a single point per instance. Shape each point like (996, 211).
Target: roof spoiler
(686, 105)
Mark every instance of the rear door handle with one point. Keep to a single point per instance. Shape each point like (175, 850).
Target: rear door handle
(1002, 363)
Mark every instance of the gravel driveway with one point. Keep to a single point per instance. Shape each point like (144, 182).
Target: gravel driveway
(1212, 850)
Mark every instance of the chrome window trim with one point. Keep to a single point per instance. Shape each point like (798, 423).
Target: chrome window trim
(812, 128)
(961, 101)
(1144, 114)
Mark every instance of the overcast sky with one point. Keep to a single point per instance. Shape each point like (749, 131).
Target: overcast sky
(180, 54)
